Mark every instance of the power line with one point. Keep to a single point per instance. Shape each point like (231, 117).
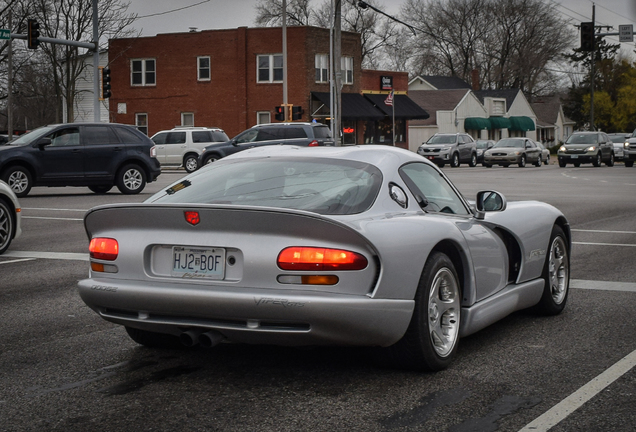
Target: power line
(171, 11)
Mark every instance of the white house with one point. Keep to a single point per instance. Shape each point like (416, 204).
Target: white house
(83, 109)
(510, 112)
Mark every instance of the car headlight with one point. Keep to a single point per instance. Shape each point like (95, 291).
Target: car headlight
(562, 149)
(626, 144)
(517, 153)
(590, 149)
(480, 152)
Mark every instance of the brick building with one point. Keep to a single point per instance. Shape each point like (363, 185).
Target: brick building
(232, 79)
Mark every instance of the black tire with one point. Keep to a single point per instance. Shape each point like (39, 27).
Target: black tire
(547, 160)
(441, 165)
(7, 226)
(425, 346)
(473, 161)
(522, 161)
(538, 163)
(629, 164)
(610, 162)
(454, 160)
(191, 163)
(487, 165)
(210, 159)
(131, 179)
(576, 164)
(556, 274)
(597, 160)
(19, 180)
(562, 164)
(100, 189)
(154, 340)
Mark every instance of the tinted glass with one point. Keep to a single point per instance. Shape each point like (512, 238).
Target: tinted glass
(65, 137)
(424, 180)
(160, 138)
(32, 136)
(268, 134)
(510, 142)
(219, 136)
(98, 135)
(247, 136)
(176, 138)
(582, 139)
(201, 136)
(321, 132)
(295, 132)
(127, 135)
(442, 139)
(323, 186)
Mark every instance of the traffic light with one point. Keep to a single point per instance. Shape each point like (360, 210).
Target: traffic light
(297, 113)
(279, 113)
(33, 33)
(106, 83)
(587, 36)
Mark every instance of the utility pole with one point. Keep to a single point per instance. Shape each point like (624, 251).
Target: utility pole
(337, 81)
(10, 83)
(285, 104)
(592, 59)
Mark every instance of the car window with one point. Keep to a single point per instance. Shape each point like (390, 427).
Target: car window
(160, 138)
(201, 136)
(442, 139)
(129, 136)
(426, 181)
(176, 138)
(65, 137)
(509, 142)
(98, 135)
(268, 134)
(218, 136)
(323, 186)
(321, 132)
(247, 136)
(582, 139)
(295, 133)
(530, 144)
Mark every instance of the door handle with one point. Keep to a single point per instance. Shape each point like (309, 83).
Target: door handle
(116, 149)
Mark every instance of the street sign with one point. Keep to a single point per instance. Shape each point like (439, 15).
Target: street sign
(626, 33)
(5, 34)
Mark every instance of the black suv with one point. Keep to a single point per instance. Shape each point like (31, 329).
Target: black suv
(97, 155)
(300, 134)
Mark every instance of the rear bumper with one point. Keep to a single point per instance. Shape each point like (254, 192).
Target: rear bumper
(279, 317)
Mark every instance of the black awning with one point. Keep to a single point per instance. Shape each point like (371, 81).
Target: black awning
(405, 107)
(354, 106)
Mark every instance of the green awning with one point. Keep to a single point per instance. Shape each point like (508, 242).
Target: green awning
(499, 123)
(476, 123)
(521, 123)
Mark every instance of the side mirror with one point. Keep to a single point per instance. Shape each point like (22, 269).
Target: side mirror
(489, 201)
(43, 142)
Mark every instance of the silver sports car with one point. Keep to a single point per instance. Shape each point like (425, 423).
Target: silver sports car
(368, 246)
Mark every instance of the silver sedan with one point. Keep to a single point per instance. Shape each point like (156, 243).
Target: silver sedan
(366, 245)
(9, 216)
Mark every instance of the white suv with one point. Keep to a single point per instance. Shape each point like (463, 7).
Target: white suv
(181, 146)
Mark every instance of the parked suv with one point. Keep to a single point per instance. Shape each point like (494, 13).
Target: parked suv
(586, 147)
(629, 150)
(455, 148)
(182, 146)
(97, 155)
(296, 133)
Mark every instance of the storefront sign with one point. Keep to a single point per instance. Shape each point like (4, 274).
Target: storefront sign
(348, 130)
(386, 82)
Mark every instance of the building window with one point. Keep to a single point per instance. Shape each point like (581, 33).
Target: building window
(322, 68)
(141, 121)
(270, 68)
(203, 68)
(143, 72)
(263, 117)
(187, 119)
(346, 65)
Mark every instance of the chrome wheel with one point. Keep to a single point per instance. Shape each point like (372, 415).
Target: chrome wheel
(132, 179)
(443, 312)
(191, 164)
(558, 270)
(6, 227)
(210, 160)
(18, 181)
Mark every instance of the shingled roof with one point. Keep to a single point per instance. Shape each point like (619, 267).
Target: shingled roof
(435, 100)
(445, 82)
(547, 110)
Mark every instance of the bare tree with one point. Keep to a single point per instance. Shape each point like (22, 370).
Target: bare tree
(269, 13)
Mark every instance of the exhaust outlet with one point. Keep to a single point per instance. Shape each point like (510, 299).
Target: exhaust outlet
(210, 339)
(190, 338)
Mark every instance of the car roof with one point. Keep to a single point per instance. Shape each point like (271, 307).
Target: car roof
(289, 124)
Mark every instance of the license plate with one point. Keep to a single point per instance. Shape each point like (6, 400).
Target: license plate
(574, 156)
(196, 263)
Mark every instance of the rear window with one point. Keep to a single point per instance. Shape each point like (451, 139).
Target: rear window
(322, 186)
(201, 136)
(322, 132)
(295, 132)
(130, 135)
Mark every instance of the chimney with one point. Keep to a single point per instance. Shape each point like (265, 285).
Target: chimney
(474, 74)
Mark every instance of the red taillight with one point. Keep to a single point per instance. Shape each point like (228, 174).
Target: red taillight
(192, 217)
(310, 258)
(314, 143)
(104, 248)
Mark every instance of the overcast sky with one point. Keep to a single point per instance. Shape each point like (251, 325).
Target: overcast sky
(159, 16)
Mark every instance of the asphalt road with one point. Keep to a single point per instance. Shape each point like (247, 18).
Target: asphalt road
(62, 368)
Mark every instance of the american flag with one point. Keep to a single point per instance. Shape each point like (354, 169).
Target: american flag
(389, 99)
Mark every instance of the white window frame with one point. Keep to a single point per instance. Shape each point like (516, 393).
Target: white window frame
(138, 116)
(200, 68)
(346, 67)
(271, 68)
(263, 113)
(183, 117)
(144, 65)
(322, 67)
